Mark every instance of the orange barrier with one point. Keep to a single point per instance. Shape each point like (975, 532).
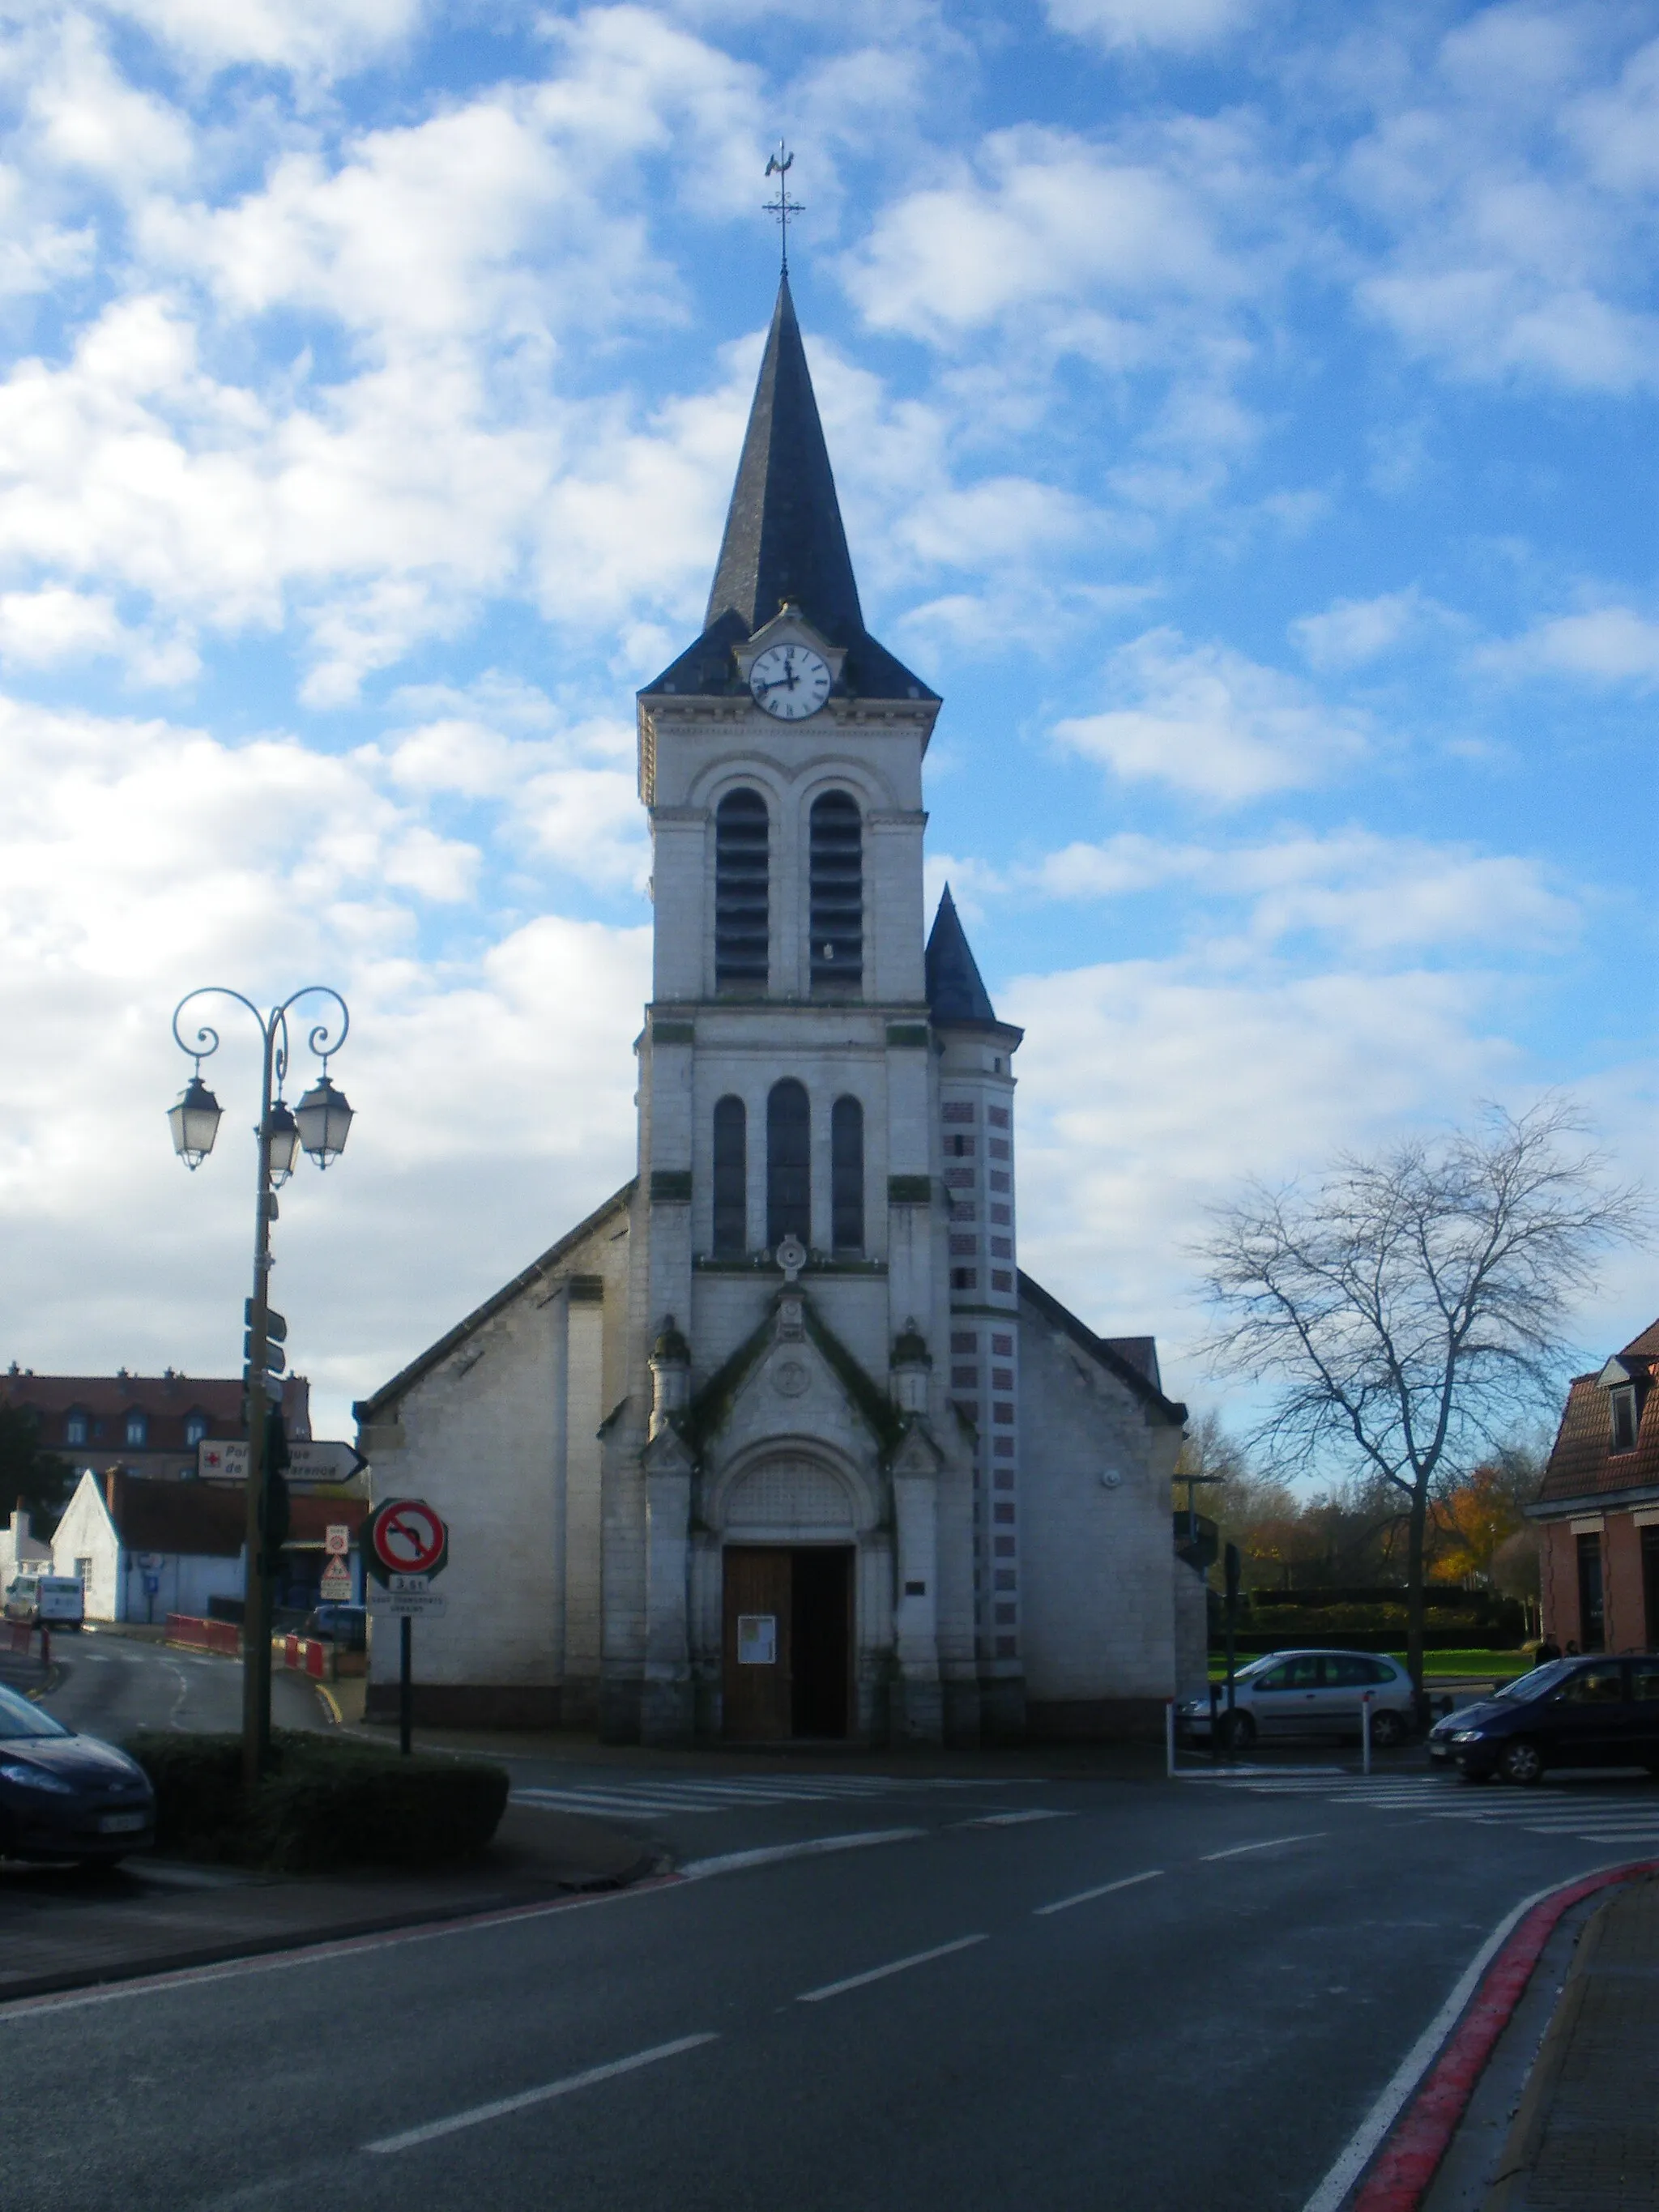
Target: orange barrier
(307, 1655)
(204, 1635)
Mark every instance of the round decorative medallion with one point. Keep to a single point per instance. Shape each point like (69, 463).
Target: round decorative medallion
(790, 1378)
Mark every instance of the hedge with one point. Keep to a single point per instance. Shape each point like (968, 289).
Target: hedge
(325, 1803)
(1254, 1643)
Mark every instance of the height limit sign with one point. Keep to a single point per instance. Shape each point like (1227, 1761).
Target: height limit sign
(404, 1545)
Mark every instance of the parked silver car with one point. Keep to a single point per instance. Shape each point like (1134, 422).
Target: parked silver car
(1291, 1693)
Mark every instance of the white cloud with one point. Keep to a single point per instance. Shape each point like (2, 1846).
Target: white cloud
(1604, 645)
(1372, 895)
(138, 858)
(1211, 724)
(1181, 25)
(1351, 632)
(1150, 1088)
(320, 38)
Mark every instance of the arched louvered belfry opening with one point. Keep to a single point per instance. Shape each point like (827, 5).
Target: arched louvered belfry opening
(847, 1175)
(835, 874)
(788, 1163)
(742, 904)
(731, 1176)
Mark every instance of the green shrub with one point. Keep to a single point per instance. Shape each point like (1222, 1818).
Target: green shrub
(327, 1801)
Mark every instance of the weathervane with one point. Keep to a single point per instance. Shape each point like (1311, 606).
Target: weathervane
(783, 207)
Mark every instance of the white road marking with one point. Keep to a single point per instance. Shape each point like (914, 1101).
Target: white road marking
(1353, 2162)
(1088, 1896)
(1309, 1836)
(500, 2106)
(663, 1795)
(894, 1966)
(814, 1847)
(1014, 1819)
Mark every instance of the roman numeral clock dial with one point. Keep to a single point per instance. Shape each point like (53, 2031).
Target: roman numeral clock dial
(790, 681)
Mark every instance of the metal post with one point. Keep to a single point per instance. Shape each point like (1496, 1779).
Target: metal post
(256, 1588)
(1365, 1733)
(1169, 1738)
(405, 1688)
(1232, 1564)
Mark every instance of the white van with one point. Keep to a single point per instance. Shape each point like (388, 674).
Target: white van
(46, 1600)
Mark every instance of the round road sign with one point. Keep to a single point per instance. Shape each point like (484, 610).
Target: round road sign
(406, 1537)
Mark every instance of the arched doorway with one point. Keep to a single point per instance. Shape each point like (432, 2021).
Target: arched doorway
(788, 1604)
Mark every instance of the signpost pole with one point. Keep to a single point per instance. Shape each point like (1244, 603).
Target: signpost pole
(256, 1588)
(405, 1688)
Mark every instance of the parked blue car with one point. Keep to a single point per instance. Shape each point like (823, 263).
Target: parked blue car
(1571, 1712)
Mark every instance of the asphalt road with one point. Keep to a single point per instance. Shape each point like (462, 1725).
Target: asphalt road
(1159, 1996)
(112, 1685)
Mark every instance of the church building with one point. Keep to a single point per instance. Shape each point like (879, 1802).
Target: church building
(780, 1442)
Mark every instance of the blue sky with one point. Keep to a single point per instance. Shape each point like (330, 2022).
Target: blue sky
(1243, 413)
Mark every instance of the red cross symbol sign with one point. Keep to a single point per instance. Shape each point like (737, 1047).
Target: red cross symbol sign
(406, 1537)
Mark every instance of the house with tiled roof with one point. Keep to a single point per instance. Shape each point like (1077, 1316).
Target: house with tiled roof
(150, 1425)
(1598, 1508)
(144, 1548)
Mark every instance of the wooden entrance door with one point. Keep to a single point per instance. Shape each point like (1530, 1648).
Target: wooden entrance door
(821, 1640)
(759, 1702)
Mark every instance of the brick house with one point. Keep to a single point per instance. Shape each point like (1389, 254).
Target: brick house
(1598, 1509)
(150, 1425)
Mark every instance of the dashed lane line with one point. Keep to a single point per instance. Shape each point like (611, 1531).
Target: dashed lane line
(1088, 1896)
(893, 1967)
(1272, 1843)
(499, 2107)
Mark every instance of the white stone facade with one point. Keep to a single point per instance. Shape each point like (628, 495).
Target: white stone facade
(791, 1375)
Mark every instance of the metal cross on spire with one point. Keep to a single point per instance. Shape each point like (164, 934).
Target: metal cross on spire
(783, 207)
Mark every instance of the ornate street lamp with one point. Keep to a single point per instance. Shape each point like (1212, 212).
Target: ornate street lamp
(318, 1127)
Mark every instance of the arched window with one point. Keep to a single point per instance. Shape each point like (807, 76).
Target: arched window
(740, 891)
(731, 1176)
(847, 1175)
(836, 891)
(788, 1163)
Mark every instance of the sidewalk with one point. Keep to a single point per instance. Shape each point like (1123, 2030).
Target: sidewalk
(62, 1930)
(1586, 2137)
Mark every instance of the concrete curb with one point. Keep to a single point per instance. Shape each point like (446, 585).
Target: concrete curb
(1402, 2169)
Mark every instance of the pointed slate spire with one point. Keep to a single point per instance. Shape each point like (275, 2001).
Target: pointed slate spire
(784, 539)
(956, 996)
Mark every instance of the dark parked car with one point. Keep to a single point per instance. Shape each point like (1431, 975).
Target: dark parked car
(346, 1625)
(66, 1796)
(1573, 1713)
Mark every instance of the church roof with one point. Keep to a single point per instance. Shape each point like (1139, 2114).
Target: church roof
(1128, 1358)
(957, 995)
(784, 540)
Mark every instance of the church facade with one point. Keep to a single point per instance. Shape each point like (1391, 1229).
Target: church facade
(780, 1442)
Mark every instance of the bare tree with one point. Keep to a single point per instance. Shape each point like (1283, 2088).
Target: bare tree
(1412, 1308)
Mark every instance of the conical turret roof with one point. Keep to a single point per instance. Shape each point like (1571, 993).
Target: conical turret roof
(956, 996)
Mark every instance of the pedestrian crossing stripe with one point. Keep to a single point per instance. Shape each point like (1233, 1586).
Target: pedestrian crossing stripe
(663, 1795)
(1595, 1812)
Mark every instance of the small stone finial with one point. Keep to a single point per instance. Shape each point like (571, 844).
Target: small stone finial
(670, 1346)
(910, 1362)
(791, 1256)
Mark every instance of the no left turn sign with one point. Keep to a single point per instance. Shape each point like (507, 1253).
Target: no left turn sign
(404, 1536)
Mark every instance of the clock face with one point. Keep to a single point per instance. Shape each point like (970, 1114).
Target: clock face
(790, 681)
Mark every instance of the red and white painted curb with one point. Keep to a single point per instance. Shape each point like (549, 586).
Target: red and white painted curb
(1399, 2147)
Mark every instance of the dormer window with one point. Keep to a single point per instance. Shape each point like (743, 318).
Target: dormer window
(137, 1431)
(195, 1427)
(77, 1428)
(1622, 1400)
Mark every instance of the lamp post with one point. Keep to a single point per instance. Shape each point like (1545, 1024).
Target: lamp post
(318, 1125)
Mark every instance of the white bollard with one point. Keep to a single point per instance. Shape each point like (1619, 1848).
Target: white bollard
(1365, 1733)
(1169, 1738)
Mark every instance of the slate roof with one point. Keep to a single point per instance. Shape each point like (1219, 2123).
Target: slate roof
(1584, 1466)
(956, 996)
(784, 540)
(1127, 1357)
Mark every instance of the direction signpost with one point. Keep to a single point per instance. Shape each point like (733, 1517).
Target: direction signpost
(404, 1544)
(224, 1459)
